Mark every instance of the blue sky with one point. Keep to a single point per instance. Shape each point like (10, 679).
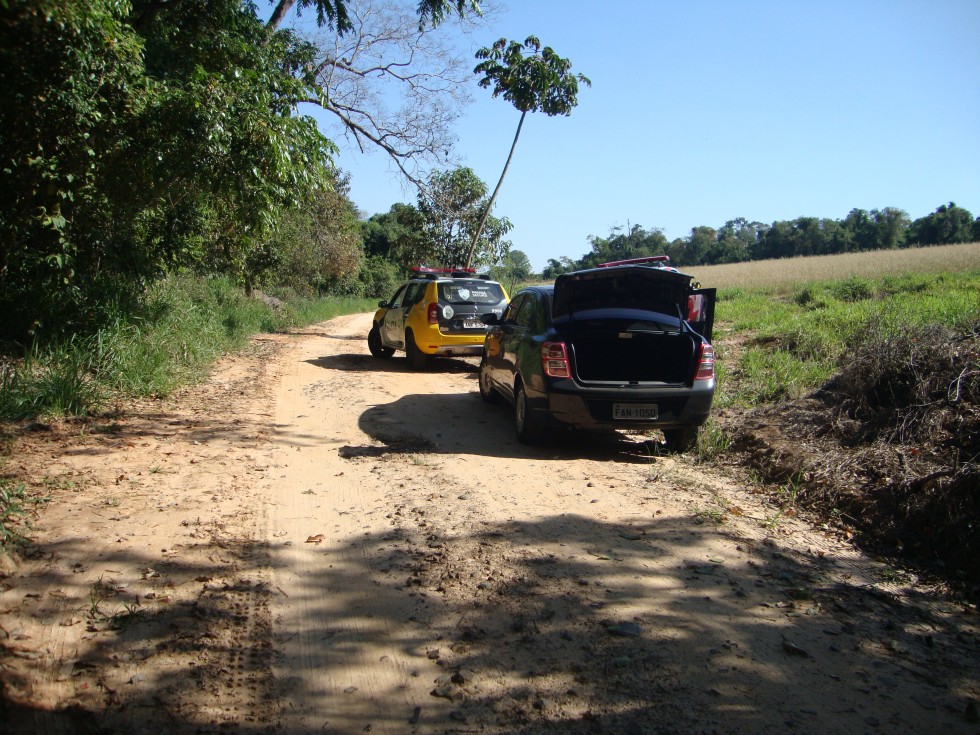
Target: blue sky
(708, 110)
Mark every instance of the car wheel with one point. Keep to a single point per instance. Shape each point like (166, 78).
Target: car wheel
(680, 440)
(416, 358)
(375, 345)
(529, 431)
(487, 392)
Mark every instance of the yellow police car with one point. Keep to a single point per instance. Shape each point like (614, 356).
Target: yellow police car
(439, 312)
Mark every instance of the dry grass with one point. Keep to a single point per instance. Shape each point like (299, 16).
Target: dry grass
(793, 271)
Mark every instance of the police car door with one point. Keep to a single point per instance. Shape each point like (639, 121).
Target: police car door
(393, 322)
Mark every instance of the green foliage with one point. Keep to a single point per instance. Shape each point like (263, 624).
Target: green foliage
(315, 245)
(739, 240)
(333, 13)
(712, 441)
(852, 289)
(513, 268)
(637, 243)
(398, 236)
(14, 507)
(798, 340)
(379, 277)
(556, 267)
(309, 311)
(948, 224)
(138, 137)
(530, 77)
(55, 381)
(451, 208)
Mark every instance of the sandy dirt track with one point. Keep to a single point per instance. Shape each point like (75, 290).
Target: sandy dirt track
(317, 541)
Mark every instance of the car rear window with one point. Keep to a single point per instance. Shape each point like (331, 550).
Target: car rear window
(648, 289)
(471, 292)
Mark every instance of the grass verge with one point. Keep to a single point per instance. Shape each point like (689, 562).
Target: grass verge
(792, 339)
(863, 396)
(185, 324)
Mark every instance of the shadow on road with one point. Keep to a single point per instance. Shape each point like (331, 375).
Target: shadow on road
(568, 625)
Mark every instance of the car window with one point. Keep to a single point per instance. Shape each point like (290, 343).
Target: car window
(527, 313)
(414, 293)
(395, 300)
(471, 292)
(513, 307)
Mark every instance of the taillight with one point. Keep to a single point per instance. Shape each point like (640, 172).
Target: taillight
(695, 307)
(706, 363)
(433, 313)
(554, 359)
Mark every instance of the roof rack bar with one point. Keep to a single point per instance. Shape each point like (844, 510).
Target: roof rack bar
(665, 259)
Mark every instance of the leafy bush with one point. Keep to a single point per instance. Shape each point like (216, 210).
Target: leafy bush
(380, 277)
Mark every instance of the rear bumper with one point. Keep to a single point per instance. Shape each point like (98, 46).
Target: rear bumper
(432, 341)
(567, 404)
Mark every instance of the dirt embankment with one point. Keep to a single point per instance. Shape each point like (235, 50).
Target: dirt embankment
(319, 541)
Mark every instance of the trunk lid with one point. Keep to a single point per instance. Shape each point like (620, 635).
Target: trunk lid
(641, 287)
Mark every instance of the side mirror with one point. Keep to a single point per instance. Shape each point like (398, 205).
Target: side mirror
(490, 319)
(382, 304)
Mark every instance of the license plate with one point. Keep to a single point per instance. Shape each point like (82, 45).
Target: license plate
(634, 411)
(473, 324)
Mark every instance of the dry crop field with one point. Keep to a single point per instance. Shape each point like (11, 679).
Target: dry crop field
(875, 264)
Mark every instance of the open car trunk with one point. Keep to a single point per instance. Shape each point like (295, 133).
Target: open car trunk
(629, 323)
(632, 350)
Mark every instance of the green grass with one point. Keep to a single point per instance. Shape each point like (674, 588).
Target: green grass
(186, 323)
(792, 338)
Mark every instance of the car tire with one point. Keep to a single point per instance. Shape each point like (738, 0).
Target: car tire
(416, 358)
(680, 440)
(529, 430)
(487, 391)
(375, 345)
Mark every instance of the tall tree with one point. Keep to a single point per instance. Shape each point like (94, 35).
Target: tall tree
(531, 78)
(948, 224)
(891, 228)
(317, 244)
(513, 268)
(451, 206)
(389, 84)
(398, 236)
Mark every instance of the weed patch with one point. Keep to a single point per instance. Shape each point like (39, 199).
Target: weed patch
(16, 509)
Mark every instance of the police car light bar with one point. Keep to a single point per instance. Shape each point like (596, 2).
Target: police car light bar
(426, 269)
(665, 259)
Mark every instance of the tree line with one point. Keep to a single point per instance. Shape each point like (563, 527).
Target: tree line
(739, 240)
(141, 138)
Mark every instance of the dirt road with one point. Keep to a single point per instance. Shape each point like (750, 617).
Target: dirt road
(316, 541)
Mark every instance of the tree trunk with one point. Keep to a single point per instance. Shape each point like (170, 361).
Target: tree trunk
(279, 13)
(493, 198)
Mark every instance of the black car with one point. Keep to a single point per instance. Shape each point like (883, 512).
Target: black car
(622, 346)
